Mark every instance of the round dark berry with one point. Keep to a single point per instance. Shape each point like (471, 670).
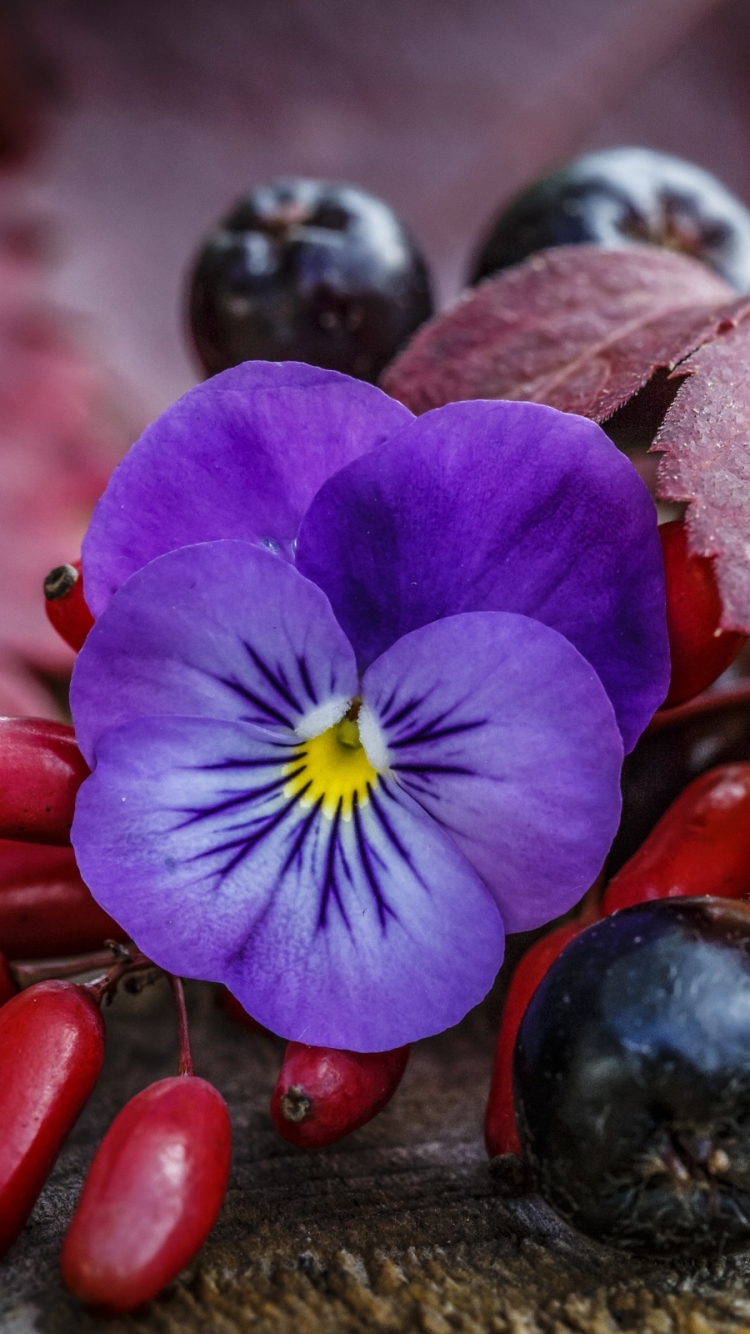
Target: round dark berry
(632, 1075)
(308, 271)
(620, 196)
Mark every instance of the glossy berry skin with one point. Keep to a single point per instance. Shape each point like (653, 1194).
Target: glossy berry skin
(41, 770)
(51, 1053)
(633, 1078)
(699, 648)
(46, 910)
(65, 604)
(700, 846)
(500, 1133)
(151, 1196)
(621, 196)
(322, 1093)
(305, 270)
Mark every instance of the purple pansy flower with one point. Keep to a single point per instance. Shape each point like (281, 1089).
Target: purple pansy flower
(357, 693)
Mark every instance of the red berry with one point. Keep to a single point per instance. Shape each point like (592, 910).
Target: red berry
(322, 1093)
(41, 770)
(32, 861)
(701, 845)
(700, 649)
(45, 908)
(500, 1134)
(151, 1196)
(51, 1052)
(8, 987)
(65, 604)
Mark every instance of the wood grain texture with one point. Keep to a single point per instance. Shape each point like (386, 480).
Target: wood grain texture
(401, 1227)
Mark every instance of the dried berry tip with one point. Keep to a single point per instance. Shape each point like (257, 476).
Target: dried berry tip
(295, 1105)
(65, 604)
(59, 582)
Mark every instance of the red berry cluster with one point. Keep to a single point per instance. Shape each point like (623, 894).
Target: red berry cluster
(158, 1179)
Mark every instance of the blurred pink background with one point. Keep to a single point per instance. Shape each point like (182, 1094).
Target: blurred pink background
(127, 127)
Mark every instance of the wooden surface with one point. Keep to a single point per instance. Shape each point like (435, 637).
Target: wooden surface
(402, 1226)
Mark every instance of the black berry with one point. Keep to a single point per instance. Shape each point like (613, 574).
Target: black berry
(311, 271)
(632, 1073)
(620, 196)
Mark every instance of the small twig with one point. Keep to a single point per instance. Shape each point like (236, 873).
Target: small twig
(40, 970)
(185, 1066)
(119, 950)
(102, 987)
(28, 971)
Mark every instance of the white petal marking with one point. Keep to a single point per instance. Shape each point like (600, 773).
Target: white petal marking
(373, 739)
(321, 718)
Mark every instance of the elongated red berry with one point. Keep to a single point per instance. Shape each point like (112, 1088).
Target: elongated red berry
(700, 649)
(500, 1134)
(701, 845)
(65, 604)
(151, 1196)
(32, 861)
(51, 1052)
(322, 1093)
(51, 913)
(41, 770)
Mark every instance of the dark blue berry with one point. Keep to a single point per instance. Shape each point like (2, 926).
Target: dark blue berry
(311, 271)
(632, 1073)
(619, 196)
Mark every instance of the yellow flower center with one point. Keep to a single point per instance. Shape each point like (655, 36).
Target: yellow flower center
(332, 769)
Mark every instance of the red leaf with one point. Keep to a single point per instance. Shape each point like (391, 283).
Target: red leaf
(578, 327)
(705, 439)
(585, 330)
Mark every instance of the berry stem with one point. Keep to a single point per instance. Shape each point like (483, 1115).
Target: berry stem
(41, 970)
(185, 1066)
(104, 986)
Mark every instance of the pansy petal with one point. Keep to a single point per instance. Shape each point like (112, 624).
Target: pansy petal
(503, 732)
(499, 507)
(364, 933)
(218, 630)
(239, 456)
